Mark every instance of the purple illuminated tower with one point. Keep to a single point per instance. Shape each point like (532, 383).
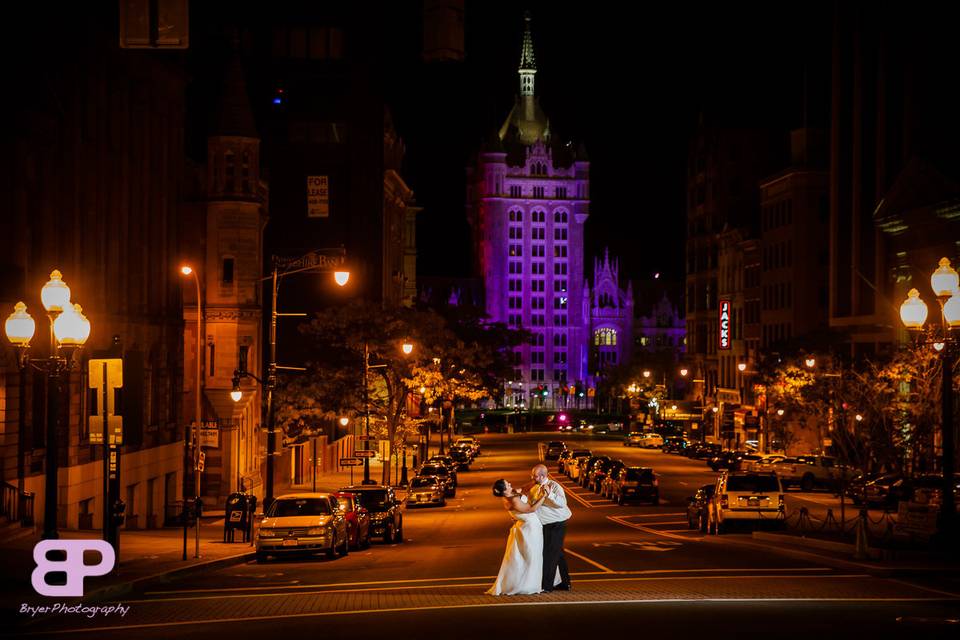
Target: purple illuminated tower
(527, 201)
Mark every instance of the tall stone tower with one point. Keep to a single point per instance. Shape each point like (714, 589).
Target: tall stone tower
(611, 315)
(235, 214)
(527, 201)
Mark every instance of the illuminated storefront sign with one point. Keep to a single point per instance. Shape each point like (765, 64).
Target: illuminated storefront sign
(724, 324)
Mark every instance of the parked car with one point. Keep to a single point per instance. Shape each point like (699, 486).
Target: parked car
(443, 472)
(674, 444)
(598, 472)
(448, 462)
(639, 483)
(426, 490)
(303, 522)
(706, 451)
(606, 485)
(766, 462)
(723, 460)
(697, 506)
(887, 490)
(386, 512)
(633, 439)
(461, 457)
(745, 495)
(472, 441)
(651, 441)
(576, 466)
(587, 468)
(811, 471)
(358, 519)
(554, 449)
(927, 489)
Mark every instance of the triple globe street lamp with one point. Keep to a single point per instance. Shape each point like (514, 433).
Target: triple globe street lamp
(69, 330)
(945, 284)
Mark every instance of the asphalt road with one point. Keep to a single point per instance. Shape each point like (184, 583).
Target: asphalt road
(633, 567)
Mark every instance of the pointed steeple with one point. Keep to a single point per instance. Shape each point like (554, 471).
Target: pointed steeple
(528, 66)
(233, 116)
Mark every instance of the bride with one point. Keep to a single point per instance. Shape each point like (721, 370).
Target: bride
(521, 571)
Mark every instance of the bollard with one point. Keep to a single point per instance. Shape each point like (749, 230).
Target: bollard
(862, 551)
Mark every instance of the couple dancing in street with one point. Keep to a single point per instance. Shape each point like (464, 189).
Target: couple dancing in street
(533, 561)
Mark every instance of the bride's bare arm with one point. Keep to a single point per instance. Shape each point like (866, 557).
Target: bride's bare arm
(522, 507)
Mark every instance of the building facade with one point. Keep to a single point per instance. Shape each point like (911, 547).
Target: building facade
(527, 201)
(611, 316)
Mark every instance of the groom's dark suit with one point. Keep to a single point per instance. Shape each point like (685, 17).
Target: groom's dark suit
(553, 513)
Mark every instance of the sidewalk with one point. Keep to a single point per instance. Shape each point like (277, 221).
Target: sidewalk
(153, 555)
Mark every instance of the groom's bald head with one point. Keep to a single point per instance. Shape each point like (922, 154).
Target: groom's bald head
(539, 473)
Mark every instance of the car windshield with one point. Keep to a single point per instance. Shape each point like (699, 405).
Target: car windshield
(753, 484)
(288, 507)
(422, 483)
(373, 500)
(433, 470)
(580, 453)
(639, 474)
(346, 504)
(554, 444)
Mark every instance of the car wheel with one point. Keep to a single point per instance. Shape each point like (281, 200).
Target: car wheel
(399, 537)
(656, 500)
(443, 502)
(261, 557)
(332, 551)
(345, 548)
(702, 522)
(690, 522)
(721, 528)
(807, 482)
(388, 534)
(620, 500)
(355, 545)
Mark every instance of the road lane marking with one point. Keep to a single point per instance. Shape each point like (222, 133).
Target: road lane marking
(656, 515)
(403, 582)
(930, 589)
(665, 522)
(586, 559)
(500, 603)
(655, 532)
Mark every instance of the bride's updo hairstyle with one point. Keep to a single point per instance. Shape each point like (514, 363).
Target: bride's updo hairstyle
(499, 487)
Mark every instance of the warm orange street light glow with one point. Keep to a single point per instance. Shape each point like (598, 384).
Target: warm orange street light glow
(779, 412)
(344, 421)
(186, 270)
(742, 366)
(810, 362)
(407, 348)
(684, 372)
(236, 395)
(646, 373)
(341, 277)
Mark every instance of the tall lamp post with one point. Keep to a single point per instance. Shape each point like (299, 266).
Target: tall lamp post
(407, 349)
(913, 313)
(319, 261)
(190, 271)
(69, 330)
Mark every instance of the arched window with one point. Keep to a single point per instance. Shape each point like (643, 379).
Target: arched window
(605, 337)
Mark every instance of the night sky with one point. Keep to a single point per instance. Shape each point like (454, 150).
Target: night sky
(628, 80)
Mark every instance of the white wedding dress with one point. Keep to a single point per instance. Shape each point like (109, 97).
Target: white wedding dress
(521, 571)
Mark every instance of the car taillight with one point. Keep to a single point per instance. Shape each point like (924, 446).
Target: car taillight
(724, 501)
(656, 482)
(781, 501)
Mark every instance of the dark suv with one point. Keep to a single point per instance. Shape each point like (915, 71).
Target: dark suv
(636, 482)
(386, 515)
(554, 449)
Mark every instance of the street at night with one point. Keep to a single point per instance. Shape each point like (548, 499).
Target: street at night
(631, 566)
(475, 318)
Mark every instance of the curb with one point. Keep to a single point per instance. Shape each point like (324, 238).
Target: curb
(814, 543)
(119, 589)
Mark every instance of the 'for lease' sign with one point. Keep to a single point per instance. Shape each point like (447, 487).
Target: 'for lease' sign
(318, 197)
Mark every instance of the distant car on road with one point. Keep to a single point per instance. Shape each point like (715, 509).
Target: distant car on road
(449, 463)
(462, 456)
(554, 449)
(305, 523)
(575, 466)
(426, 490)
(386, 512)
(472, 441)
(633, 439)
(586, 469)
(606, 484)
(674, 444)
(651, 441)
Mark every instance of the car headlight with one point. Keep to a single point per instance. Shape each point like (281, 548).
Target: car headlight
(320, 531)
(267, 533)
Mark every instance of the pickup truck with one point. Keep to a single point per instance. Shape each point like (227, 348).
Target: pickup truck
(810, 471)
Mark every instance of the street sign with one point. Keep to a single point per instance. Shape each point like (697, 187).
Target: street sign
(367, 438)
(351, 462)
(365, 453)
(201, 461)
(105, 375)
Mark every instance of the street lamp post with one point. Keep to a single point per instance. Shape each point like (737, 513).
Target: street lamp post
(190, 271)
(69, 329)
(320, 261)
(913, 313)
(407, 348)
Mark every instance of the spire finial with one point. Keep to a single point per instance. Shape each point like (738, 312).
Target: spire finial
(528, 65)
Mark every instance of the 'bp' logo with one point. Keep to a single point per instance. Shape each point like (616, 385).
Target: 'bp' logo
(72, 566)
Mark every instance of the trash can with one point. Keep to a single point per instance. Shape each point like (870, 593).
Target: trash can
(236, 515)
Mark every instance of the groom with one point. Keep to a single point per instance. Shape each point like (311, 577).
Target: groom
(553, 513)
